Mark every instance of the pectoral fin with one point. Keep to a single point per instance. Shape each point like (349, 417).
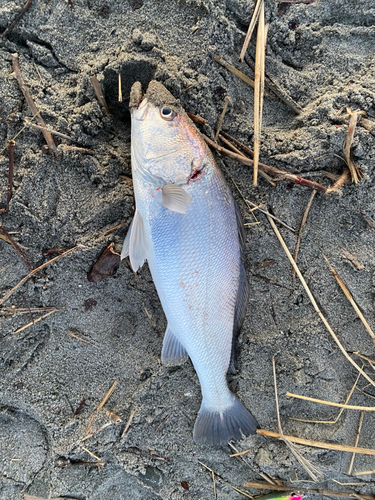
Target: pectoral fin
(125, 246)
(175, 198)
(135, 244)
(173, 352)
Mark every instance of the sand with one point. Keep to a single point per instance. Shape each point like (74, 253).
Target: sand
(322, 54)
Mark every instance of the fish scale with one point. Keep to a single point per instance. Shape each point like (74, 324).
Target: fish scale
(187, 226)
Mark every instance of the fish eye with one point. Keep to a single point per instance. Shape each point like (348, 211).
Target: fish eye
(167, 113)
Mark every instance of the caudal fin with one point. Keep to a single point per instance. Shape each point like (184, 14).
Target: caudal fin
(216, 429)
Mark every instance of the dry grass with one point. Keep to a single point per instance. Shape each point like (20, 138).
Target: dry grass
(258, 89)
(330, 403)
(222, 118)
(348, 295)
(314, 303)
(34, 271)
(250, 30)
(100, 406)
(304, 219)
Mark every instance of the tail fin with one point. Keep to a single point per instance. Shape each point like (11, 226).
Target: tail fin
(216, 428)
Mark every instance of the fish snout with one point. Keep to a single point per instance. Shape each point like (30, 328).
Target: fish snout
(136, 96)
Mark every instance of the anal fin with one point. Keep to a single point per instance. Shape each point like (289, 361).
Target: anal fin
(173, 352)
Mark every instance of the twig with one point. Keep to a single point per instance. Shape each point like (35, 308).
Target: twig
(250, 29)
(101, 404)
(51, 131)
(352, 258)
(98, 92)
(24, 310)
(234, 70)
(71, 334)
(131, 416)
(199, 120)
(265, 486)
(348, 295)
(119, 88)
(317, 444)
(281, 94)
(111, 229)
(368, 125)
(304, 218)
(7, 237)
(8, 294)
(312, 471)
(17, 71)
(19, 132)
(340, 412)
(262, 474)
(372, 363)
(19, 16)
(270, 215)
(347, 145)
(36, 321)
(356, 441)
(95, 432)
(40, 76)
(330, 403)
(90, 453)
(316, 307)
(222, 117)
(279, 174)
(11, 149)
(28, 305)
(365, 472)
(75, 148)
(233, 148)
(340, 181)
(258, 90)
(238, 143)
(212, 474)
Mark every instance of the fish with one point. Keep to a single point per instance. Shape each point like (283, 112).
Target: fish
(188, 227)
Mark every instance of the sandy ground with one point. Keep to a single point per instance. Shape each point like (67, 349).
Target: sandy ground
(323, 55)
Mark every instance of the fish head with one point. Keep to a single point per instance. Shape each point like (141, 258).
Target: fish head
(165, 143)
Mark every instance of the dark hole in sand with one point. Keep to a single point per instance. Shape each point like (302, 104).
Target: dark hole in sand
(131, 72)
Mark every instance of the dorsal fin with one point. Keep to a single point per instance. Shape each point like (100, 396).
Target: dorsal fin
(242, 296)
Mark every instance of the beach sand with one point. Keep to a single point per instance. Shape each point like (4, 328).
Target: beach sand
(322, 55)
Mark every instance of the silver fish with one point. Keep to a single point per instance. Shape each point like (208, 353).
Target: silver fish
(188, 227)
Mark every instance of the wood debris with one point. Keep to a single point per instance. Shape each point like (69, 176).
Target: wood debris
(19, 16)
(30, 101)
(353, 259)
(99, 93)
(354, 170)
